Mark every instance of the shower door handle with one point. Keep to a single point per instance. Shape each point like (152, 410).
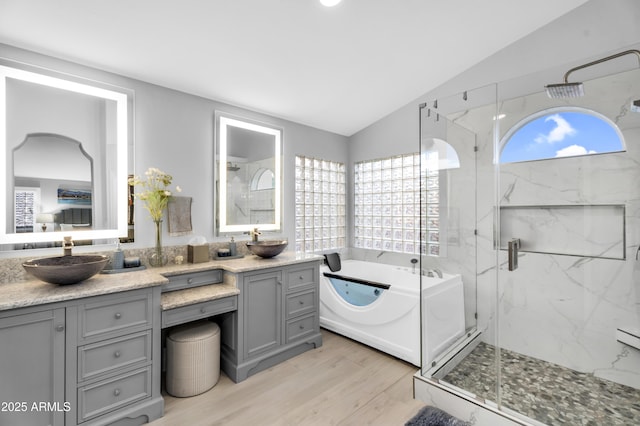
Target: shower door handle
(514, 246)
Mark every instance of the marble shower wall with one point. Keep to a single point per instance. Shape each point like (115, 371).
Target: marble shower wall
(564, 309)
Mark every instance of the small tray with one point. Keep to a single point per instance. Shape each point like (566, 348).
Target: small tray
(238, 256)
(117, 271)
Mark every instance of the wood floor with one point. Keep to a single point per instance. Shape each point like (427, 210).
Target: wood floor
(340, 383)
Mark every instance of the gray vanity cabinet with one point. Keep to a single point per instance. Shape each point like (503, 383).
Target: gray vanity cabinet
(90, 361)
(32, 367)
(277, 318)
(262, 297)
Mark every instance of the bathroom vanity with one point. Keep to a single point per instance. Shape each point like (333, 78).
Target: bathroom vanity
(96, 346)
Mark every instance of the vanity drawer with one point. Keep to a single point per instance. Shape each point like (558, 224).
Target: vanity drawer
(301, 327)
(117, 315)
(194, 279)
(104, 357)
(197, 311)
(301, 303)
(302, 277)
(109, 395)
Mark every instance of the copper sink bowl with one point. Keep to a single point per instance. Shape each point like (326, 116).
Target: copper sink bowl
(267, 248)
(66, 269)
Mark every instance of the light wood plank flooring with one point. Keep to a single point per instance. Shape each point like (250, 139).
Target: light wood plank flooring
(341, 383)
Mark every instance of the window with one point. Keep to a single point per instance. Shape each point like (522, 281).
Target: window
(320, 204)
(387, 204)
(561, 132)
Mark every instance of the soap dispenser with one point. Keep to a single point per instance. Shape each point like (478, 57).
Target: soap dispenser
(118, 257)
(233, 250)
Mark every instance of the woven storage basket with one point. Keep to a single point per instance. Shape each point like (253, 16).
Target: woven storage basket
(193, 358)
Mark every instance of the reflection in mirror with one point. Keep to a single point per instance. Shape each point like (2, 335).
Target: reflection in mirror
(63, 144)
(249, 186)
(57, 171)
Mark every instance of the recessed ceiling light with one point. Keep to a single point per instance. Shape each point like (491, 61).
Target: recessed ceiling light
(330, 3)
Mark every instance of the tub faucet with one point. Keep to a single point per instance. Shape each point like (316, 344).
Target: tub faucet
(436, 271)
(67, 245)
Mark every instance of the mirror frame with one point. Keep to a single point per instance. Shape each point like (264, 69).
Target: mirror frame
(122, 136)
(223, 122)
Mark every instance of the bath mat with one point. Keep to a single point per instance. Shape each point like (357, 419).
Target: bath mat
(333, 261)
(179, 212)
(432, 416)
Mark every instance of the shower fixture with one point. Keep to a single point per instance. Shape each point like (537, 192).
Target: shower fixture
(576, 90)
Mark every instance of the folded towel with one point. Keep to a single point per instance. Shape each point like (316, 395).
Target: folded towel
(333, 261)
(179, 213)
(432, 416)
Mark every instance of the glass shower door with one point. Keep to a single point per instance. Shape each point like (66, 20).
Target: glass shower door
(453, 131)
(568, 233)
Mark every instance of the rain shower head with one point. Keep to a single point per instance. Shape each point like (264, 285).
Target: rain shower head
(576, 90)
(565, 90)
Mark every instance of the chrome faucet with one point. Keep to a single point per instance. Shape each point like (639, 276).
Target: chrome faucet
(254, 234)
(67, 245)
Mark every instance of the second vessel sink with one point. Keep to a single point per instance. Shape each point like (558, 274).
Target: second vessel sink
(65, 269)
(267, 249)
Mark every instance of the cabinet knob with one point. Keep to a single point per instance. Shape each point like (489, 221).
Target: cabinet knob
(301, 277)
(301, 327)
(60, 327)
(279, 282)
(190, 281)
(118, 315)
(203, 310)
(301, 302)
(116, 392)
(116, 354)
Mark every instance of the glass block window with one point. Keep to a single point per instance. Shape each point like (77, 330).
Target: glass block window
(320, 204)
(387, 205)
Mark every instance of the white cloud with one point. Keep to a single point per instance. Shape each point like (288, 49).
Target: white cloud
(573, 150)
(558, 133)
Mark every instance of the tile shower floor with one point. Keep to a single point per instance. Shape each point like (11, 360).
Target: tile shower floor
(547, 392)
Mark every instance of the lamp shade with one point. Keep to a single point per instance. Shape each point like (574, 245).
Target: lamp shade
(44, 218)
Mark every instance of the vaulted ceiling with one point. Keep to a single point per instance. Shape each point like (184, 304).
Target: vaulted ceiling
(338, 69)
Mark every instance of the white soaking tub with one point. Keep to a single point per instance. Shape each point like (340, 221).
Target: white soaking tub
(379, 305)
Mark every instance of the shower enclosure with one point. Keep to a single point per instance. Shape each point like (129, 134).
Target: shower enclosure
(541, 217)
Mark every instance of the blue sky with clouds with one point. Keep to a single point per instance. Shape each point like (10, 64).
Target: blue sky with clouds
(561, 134)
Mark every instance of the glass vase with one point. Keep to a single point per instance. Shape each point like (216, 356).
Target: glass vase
(158, 257)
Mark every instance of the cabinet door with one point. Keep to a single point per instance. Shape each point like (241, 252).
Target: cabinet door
(32, 369)
(262, 297)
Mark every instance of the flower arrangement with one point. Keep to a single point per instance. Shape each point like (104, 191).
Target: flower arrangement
(156, 195)
(155, 191)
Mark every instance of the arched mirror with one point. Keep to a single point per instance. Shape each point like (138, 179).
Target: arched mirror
(63, 145)
(248, 172)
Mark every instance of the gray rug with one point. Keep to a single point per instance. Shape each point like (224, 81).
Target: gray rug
(432, 416)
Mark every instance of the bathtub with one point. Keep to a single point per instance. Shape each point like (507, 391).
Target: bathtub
(379, 305)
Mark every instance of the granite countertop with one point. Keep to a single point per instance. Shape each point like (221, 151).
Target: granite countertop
(247, 263)
(35, 292)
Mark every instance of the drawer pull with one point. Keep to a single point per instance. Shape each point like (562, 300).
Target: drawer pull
(301, 327)
(116, 392)
(60, 327)
(118, 315)
(203, 310)
(301, 278)
(117, 354)
(190, 281)
(301, 302)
